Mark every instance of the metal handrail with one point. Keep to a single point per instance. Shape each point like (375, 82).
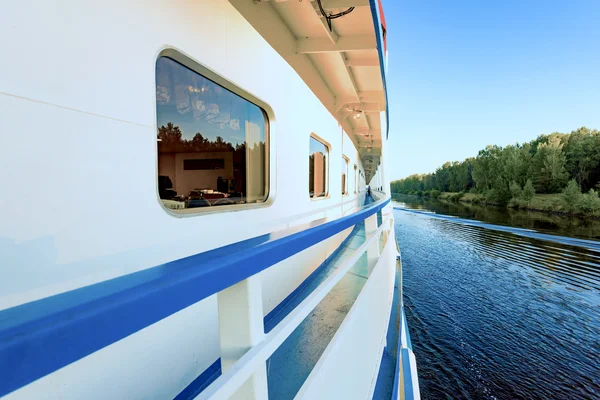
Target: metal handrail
(228, 383)
(53, 332)
(406, 385)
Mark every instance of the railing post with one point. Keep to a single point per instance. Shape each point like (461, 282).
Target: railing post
(240, 328)
(373, 249)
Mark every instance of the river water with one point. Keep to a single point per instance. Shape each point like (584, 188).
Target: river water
(500, 312)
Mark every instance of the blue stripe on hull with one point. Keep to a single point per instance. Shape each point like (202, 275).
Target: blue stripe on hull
(280, 312)
(40, 337)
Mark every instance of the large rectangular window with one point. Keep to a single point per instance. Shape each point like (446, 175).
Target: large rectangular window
(344, 176)
(212, 143)
(318, 159)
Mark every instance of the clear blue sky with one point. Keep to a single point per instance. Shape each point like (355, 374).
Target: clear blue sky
(465, 74)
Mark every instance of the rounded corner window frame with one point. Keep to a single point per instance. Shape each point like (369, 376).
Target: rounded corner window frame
(270, 180)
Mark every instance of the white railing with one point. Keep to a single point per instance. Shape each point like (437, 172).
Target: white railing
(75, 324)
(245, 347)
(406, 384)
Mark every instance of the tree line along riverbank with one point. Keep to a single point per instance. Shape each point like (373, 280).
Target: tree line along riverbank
(556, 173)
(586, 205)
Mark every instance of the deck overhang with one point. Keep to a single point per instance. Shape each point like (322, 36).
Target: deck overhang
(342, 65)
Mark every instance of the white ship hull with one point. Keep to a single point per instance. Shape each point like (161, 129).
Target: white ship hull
(80, 206)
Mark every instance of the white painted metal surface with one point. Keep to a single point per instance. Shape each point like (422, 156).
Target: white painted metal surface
(241, 328)
(79, 206)
(340, 65)
(348, 368)
(88, 127)
(228, 383)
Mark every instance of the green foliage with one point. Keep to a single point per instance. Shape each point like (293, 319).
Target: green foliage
(528, 191)
(485, 167)
(548, 166)
(455, 197)
(544, 165)
(571, 196)
(433, 193)
(590, 202)
(477, 199)
(515, 190)
(450, 177)
(499, 194)
(517, 203)
(583, 156)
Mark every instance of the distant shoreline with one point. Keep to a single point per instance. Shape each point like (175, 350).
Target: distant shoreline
(541, 203)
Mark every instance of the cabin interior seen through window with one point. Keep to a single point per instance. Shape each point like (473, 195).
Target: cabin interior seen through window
(211, 142)
(317, 168)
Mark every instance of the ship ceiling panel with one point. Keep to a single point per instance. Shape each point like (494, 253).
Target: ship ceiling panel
(298, 17)
(362, 58)
(353, 23)
(332, 67)
(362, 55)
(368, 78)
(341, 66)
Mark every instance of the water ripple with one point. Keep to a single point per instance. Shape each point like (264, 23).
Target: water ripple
(500, 313)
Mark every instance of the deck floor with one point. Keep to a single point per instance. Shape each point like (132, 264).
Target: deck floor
(289, 367)
(387, 369)
(291, 364)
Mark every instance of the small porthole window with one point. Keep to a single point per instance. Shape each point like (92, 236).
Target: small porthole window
(344, 176)
(318, 159)
(212, 143)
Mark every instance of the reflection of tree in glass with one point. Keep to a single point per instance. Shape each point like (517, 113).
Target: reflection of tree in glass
(171, 141)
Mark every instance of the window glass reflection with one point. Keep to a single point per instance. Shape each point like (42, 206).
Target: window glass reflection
(317, 169)
(211, 142)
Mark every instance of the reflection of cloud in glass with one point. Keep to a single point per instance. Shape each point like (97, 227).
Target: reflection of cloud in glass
(199, 105)
(196, 104)
(212, 113)
(162, 95)
(234, 124)
(224, 117)
(199, 108)
(182, 98)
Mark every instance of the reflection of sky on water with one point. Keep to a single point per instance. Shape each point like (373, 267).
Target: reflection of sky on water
(497, 313)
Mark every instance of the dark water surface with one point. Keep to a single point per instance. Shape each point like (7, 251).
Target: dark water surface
(496, 314)
(541, 222)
